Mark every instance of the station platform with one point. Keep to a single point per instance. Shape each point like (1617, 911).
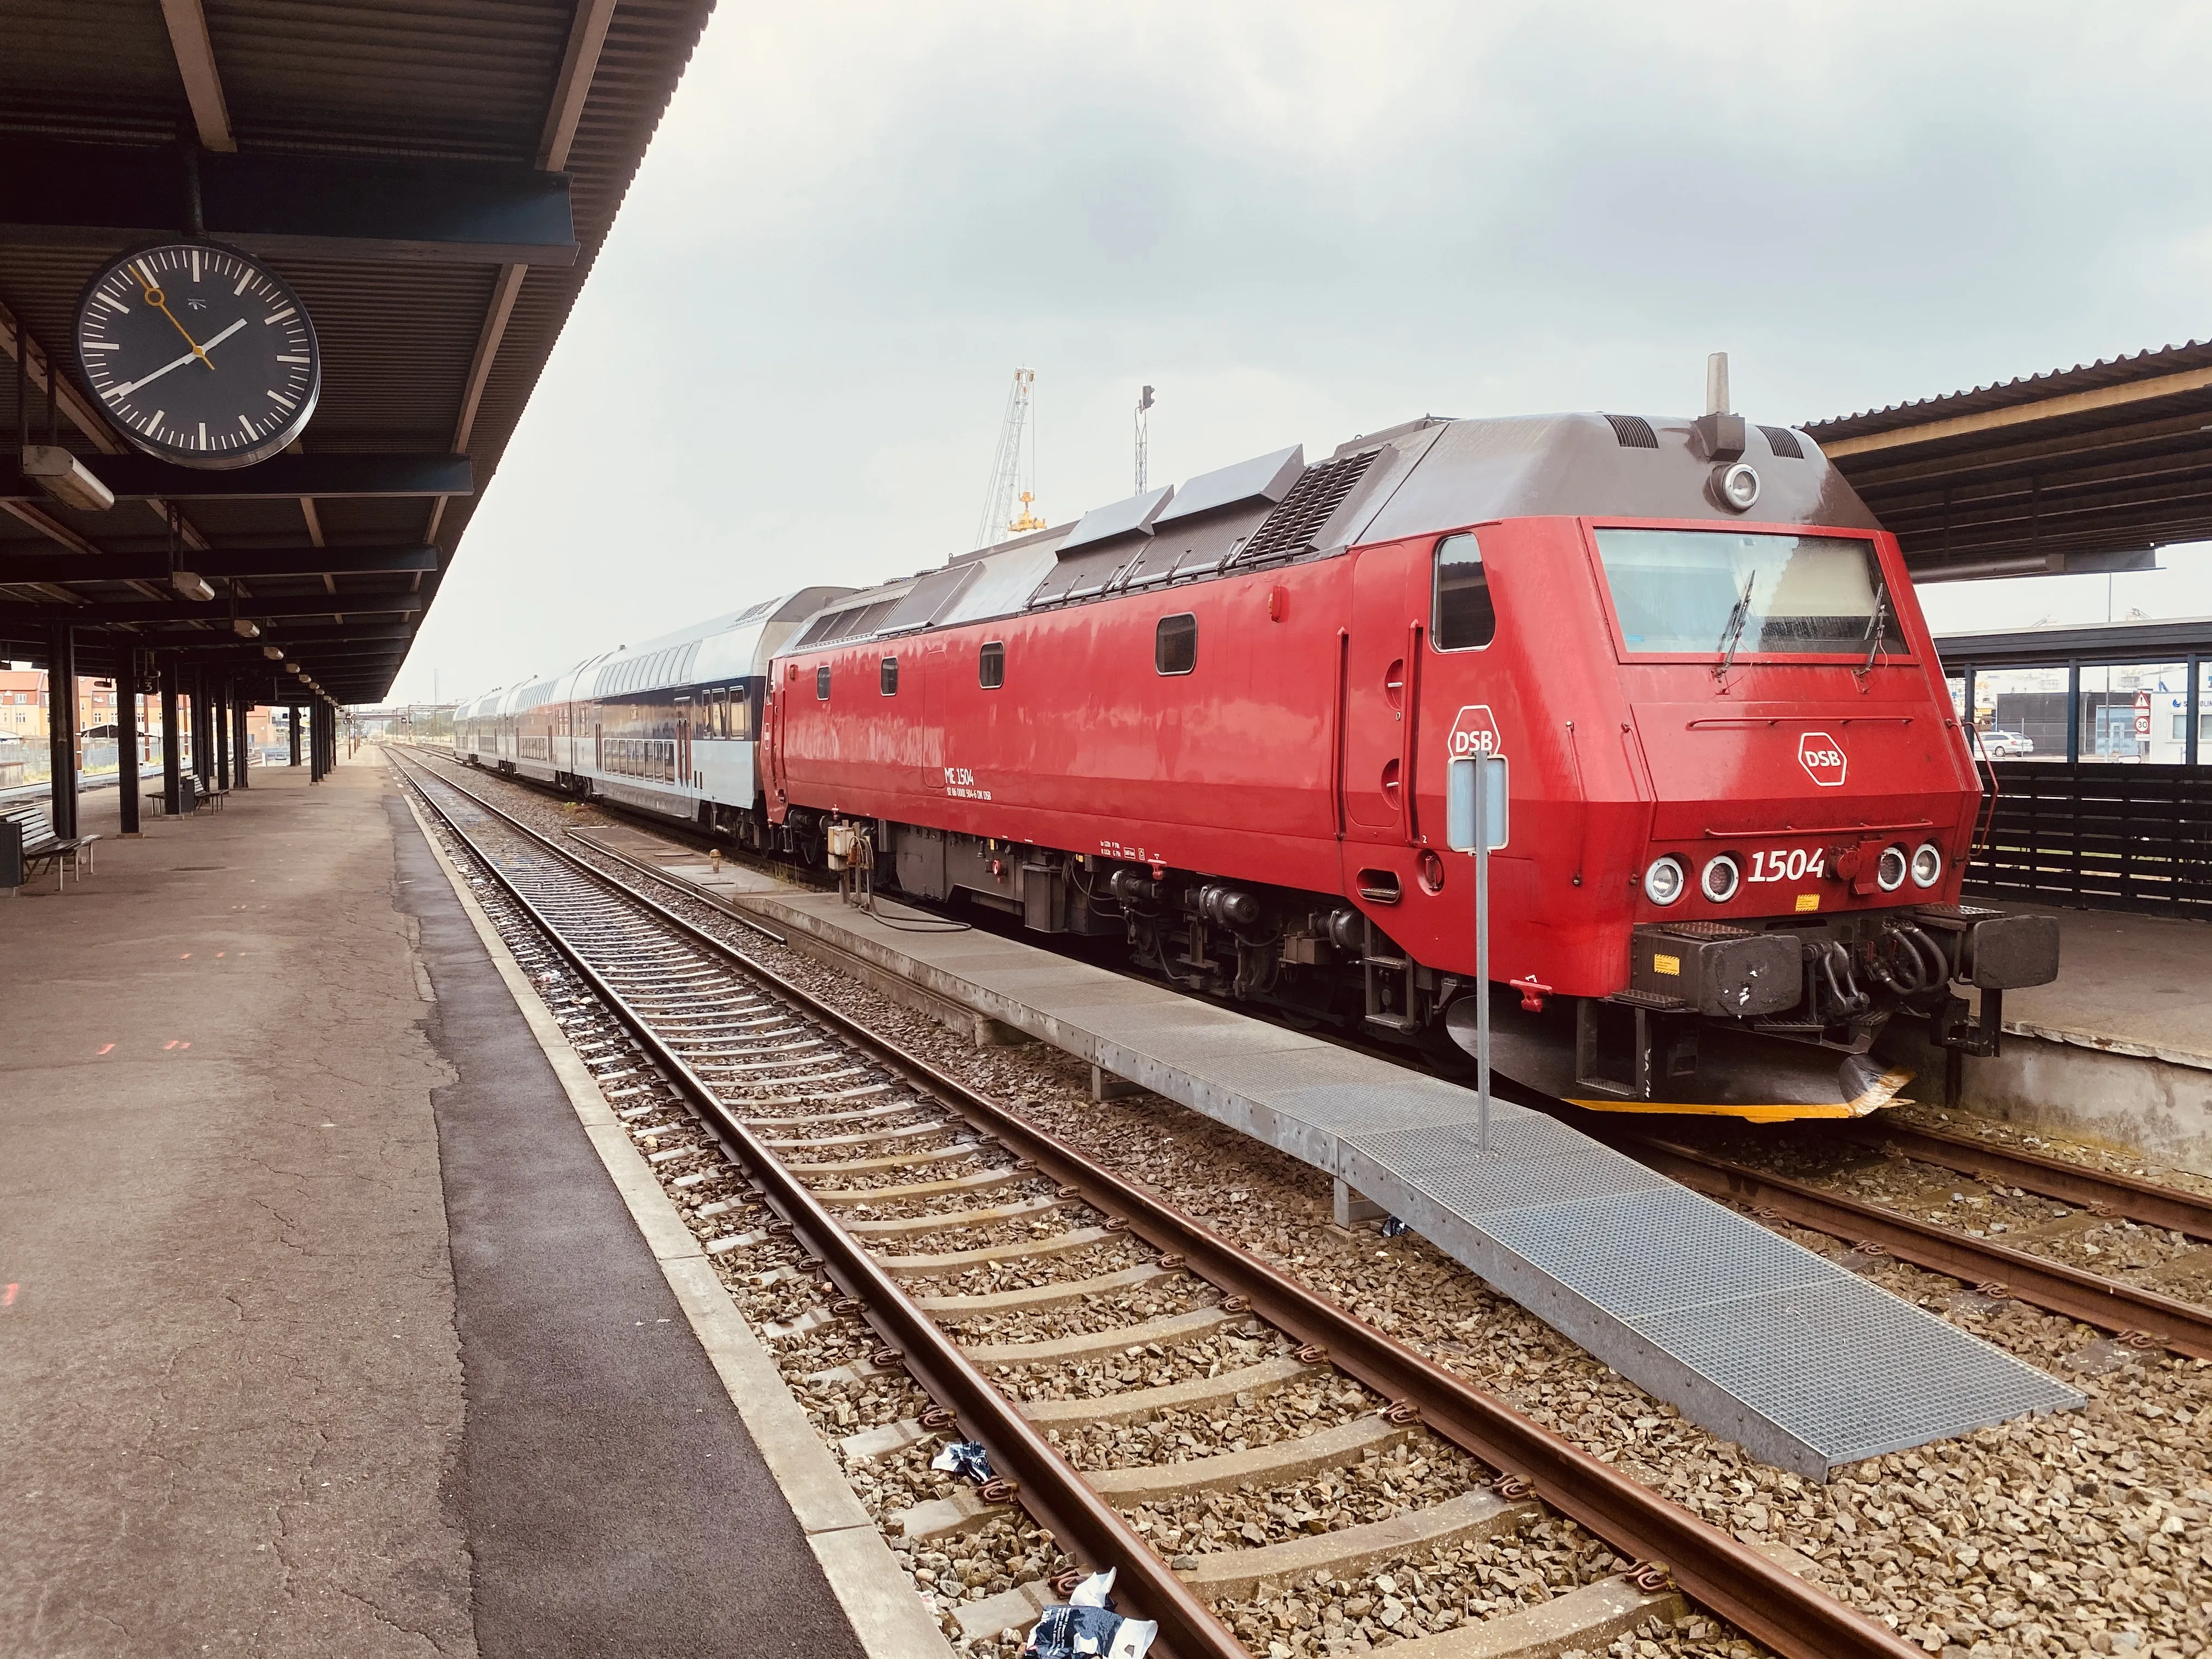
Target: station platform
(2116, 1050)
(1803, 1363)
(324, 1329)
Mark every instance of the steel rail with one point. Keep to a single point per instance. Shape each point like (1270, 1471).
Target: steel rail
(2137, 1200)
(688, 888)
(2111, 1303)
(1796, 1619)
(1047, 1485)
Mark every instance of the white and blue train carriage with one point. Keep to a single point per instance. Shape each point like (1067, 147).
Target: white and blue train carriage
(667, 726)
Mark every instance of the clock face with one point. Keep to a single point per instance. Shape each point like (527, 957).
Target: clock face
(198, 353)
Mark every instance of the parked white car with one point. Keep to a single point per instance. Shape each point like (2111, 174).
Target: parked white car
(2005, 745)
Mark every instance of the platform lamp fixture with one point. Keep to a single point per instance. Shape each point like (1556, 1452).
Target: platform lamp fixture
(60, 474)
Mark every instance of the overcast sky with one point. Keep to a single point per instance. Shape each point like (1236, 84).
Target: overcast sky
(1299, 223)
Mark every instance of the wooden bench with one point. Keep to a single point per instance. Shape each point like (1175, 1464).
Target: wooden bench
(66, 856)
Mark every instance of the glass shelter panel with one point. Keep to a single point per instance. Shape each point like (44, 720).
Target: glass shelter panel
(2020, 713)
(2133, 713)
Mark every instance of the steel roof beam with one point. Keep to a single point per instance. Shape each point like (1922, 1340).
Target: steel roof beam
(2093, 401)
(361, 477)
(314, 605)
(195, 54)
(218, 562)
(290, 206)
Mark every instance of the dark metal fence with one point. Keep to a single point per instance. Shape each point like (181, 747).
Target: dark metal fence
(2104, 835)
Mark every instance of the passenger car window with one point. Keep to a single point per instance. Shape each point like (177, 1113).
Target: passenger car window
(991, 666)
(822, 683)
(1174, 644)
(887, 676)
(1464, 617)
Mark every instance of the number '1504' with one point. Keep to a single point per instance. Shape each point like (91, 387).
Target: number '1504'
(1793, 865)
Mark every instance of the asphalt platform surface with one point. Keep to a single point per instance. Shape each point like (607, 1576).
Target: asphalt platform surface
(322, 1329)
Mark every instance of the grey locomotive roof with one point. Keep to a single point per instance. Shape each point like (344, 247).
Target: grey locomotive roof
(1425, 476)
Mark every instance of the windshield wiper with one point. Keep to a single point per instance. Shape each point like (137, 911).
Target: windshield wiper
(1877, 625)
(1733, 633)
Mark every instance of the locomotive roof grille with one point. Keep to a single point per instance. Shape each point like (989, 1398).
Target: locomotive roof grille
(1634, 432)
(1783, 443)
(1313, 499)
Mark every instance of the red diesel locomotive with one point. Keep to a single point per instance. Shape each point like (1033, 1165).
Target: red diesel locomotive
(1214, 721)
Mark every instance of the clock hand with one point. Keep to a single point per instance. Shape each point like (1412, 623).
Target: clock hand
(198, 352)
(179, 363)
(160, 302)
(219, 339)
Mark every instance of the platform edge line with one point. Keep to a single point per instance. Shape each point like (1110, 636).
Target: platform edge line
(878, 1598)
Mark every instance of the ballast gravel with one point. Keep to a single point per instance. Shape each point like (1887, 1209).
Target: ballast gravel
(2086, 1532)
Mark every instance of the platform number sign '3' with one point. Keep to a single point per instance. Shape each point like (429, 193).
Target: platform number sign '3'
(1822, 758)
(1475, 732)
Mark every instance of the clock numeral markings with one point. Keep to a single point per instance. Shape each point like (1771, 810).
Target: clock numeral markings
(282, 359)
(202, 434)
(280, 316)
(242, 282)
(284, 400)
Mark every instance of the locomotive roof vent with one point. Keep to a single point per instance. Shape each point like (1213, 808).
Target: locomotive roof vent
(1130, 517)
(1312, 501)
(1262, 481)
(1633, 432)
(1781, 441)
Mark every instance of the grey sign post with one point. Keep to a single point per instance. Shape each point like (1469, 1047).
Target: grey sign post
(1476, 821)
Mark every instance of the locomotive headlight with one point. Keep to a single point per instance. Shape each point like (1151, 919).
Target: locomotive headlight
(1736, 485)
(1719, 881)
(1926, 864)
(1664, 881)
(1889, 874)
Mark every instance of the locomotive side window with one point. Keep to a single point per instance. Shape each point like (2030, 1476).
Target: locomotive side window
(822, 683)
(991, 666)
(1464, 618)
(887, 676)
(1174, 644)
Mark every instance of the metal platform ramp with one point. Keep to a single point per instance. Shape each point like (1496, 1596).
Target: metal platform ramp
(1804, 1364)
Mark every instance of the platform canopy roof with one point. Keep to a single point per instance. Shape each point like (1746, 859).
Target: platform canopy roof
(2091, 468)
(434, 178)
(2140, 640)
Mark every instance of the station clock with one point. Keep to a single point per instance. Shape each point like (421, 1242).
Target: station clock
(198, 353)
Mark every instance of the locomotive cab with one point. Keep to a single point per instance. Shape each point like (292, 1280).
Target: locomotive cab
(1775, 793)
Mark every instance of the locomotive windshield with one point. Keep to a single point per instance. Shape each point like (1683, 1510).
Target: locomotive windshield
(1697, 592)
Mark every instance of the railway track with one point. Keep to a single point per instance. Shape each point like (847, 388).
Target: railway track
(863, 1163)
(2139, 1316)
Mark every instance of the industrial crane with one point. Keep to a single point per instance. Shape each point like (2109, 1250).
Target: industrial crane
(1013, 470)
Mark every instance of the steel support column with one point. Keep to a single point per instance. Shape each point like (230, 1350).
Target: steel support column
(172, 775)
(240, 736)
(2073, 713)
(61, 725)
(1967, 691)
(202, 761)
(126, 743)
(292, 719)
(2190, 704)
(219, 717)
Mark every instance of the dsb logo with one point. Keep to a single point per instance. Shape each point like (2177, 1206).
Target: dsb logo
(1475, 732)
(1822, 758)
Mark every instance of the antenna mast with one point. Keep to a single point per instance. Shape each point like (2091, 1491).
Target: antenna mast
(1144, 438)
(1013, 471)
